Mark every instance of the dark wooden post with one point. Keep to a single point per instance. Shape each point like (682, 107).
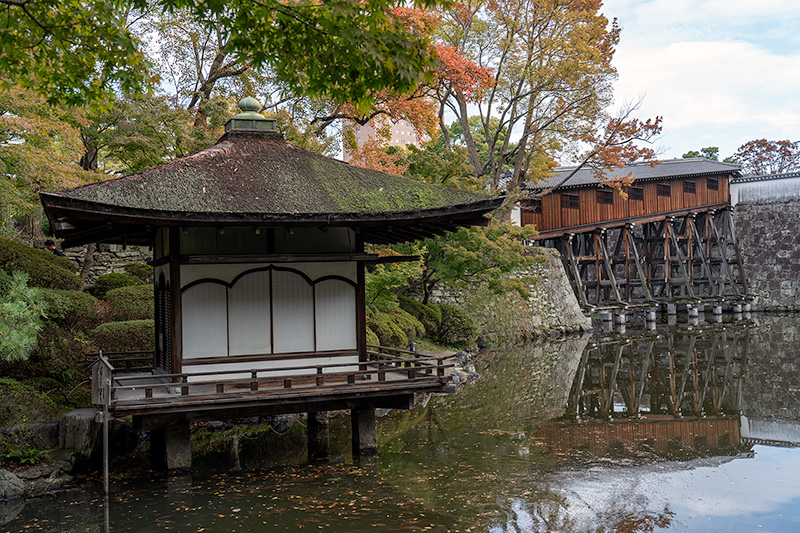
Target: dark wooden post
(175, 299)
(365, 431)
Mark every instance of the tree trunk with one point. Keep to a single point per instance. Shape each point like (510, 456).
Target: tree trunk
(32, 228)
(468, 140)
(90, 152)
(88, 259)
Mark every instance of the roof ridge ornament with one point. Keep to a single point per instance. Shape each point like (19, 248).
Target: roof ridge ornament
(250, 119)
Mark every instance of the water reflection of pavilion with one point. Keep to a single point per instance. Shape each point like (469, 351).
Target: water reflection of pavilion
(662, 391)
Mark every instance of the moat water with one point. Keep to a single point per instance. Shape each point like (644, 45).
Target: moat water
(685, 428)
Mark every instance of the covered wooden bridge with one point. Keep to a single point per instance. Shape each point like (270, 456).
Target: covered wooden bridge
(670, 238)
(259, 255)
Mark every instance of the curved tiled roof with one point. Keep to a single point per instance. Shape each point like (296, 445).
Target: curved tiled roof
(670, 169)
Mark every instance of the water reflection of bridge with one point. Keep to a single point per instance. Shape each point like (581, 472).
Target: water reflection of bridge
(680, 373)
(661, 390)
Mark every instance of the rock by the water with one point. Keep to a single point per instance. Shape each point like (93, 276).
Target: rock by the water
(11, 486)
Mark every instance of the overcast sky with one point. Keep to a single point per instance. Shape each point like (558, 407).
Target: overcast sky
(720, 72)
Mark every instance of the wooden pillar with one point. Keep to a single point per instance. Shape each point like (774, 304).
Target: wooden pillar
(361, 305)
(318, 436)
(365, 431)
(176, 334)
(170, 447)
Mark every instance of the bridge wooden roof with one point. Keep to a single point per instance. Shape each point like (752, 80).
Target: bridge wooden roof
(663, 170)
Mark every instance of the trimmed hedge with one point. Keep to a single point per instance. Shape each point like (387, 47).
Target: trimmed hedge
(457, 327)
(140, 270)
(134, 302)
(395, 329)
(114, 280)
(128, 336)
(72, 310)
(429, 315)
(44, 269)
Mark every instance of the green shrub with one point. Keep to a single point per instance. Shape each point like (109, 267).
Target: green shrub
(72, 310)
(59, 355)
(395, 328)
(21, 406)
(372, 338)
(429, 315)
(44, 269)
(114, 280)
(128, 336)
(457, 327)
(140, 270)
(134, 302)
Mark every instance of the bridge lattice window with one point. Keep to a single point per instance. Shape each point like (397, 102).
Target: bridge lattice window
(570, 201)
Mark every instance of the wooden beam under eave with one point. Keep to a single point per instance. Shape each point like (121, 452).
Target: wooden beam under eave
(103, 233)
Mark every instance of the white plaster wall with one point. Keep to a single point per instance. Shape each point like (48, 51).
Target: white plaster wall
(780, 430)
(766, 191)
(205, 321)
(219, 321)
(293, 308)
(336, 315)
(516, 216)
(249, 315)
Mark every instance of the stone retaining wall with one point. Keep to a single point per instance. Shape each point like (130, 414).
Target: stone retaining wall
(551, 308)
(107, 257)
(769, 240)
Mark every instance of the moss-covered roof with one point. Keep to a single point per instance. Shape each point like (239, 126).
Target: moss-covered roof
(258, 177)
(261, 173)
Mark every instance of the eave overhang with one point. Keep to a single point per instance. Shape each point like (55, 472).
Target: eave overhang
(80, 222)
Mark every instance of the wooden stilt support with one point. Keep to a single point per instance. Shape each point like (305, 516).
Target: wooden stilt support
(365, 431)
(170, 447)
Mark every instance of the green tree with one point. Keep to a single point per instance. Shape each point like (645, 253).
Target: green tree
(21, 311)
(483, 144)
(477, 255)
(434, 163)
(137, 132)
(71, 51)
(39, 148)
(710, 152)
(81, 50)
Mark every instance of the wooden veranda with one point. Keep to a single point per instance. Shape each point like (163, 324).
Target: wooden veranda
(127, 386)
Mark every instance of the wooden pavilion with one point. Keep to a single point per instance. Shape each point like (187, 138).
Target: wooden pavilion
(259, 256)
(670, 238)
